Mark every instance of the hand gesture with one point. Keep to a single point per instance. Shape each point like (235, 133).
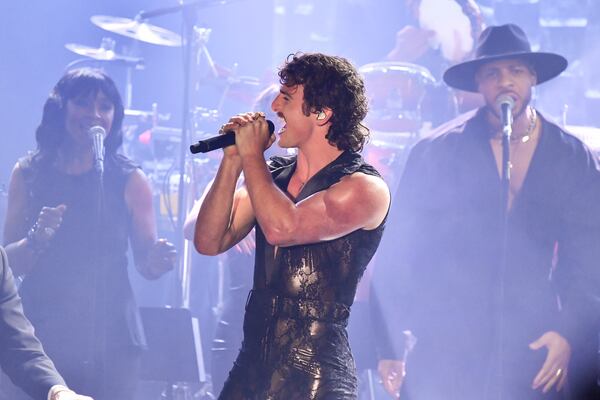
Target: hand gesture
(68, 395)
(161, 259)
(554, 370)
(60, 392)
(392, 373)
(48, 222)
(252, 135)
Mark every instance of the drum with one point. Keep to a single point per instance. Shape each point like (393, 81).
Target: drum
(395, 91)
(227, 95)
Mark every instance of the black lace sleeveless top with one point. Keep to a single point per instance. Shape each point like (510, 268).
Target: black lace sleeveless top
(78, 291)
(325, 271)
(295, 342)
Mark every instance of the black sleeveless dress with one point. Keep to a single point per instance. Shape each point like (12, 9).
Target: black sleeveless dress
(78, 294)
(295, 342)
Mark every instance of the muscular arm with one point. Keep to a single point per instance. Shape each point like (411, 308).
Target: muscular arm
(358, 201)
(190, 220)
(226, 215)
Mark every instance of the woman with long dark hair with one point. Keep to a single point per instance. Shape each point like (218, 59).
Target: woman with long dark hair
(67, 233)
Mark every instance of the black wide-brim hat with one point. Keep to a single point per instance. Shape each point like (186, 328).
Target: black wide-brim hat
(503, 42)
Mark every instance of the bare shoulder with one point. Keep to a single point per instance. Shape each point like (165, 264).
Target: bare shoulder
(16, 223)
(137, 179)
(362, 194)
(17, 172)
(364, 186)
(17, 183)
(137, 188)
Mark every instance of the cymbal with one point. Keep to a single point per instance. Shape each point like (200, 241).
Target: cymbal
(137, 29)
(100, 53)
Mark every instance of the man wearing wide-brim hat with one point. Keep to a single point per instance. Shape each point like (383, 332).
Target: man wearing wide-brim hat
(485, 328)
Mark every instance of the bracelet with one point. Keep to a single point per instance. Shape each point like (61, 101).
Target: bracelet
(33, 240)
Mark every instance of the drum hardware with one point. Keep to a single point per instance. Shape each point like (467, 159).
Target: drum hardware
(202, 56)
(139, 145)
(148, 115)
(235, 93)
(106, 52)
(192, 41)
(242, 90)
(396, 91)
(137, 29)
(204, 120)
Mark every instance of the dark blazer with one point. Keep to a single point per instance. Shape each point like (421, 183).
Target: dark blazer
(21, 354)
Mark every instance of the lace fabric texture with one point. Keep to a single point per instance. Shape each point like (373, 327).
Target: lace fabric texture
(295, 342)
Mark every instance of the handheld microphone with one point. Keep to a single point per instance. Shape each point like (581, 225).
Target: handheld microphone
(220, 141)
(98, 133)
(506, 104)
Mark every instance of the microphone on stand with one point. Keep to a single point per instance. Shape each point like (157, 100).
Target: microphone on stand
(220, 141)
(506, 104)
(97, 134)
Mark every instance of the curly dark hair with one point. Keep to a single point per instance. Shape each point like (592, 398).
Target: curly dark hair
(331, 82)
(51, 132)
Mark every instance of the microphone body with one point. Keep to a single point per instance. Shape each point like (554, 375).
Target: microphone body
(506, 104)
(97, 134)
(220, 141)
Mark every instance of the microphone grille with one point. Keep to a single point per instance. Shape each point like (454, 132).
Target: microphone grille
(505, 99)
(97, 130)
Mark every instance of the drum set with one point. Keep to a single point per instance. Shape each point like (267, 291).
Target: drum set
(399, 95)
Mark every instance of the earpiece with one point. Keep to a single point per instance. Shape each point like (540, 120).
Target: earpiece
(321, 115)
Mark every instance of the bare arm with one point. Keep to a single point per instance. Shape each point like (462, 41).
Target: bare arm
(190, 220)
(15, 227)
(358, 201)
(153, 257)
(225, 216)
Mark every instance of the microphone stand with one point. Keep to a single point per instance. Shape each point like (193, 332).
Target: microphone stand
(181, 296)
(99, 277)
(505, 190)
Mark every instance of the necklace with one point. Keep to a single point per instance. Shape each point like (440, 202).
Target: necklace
(527, 135)
(532, 121)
